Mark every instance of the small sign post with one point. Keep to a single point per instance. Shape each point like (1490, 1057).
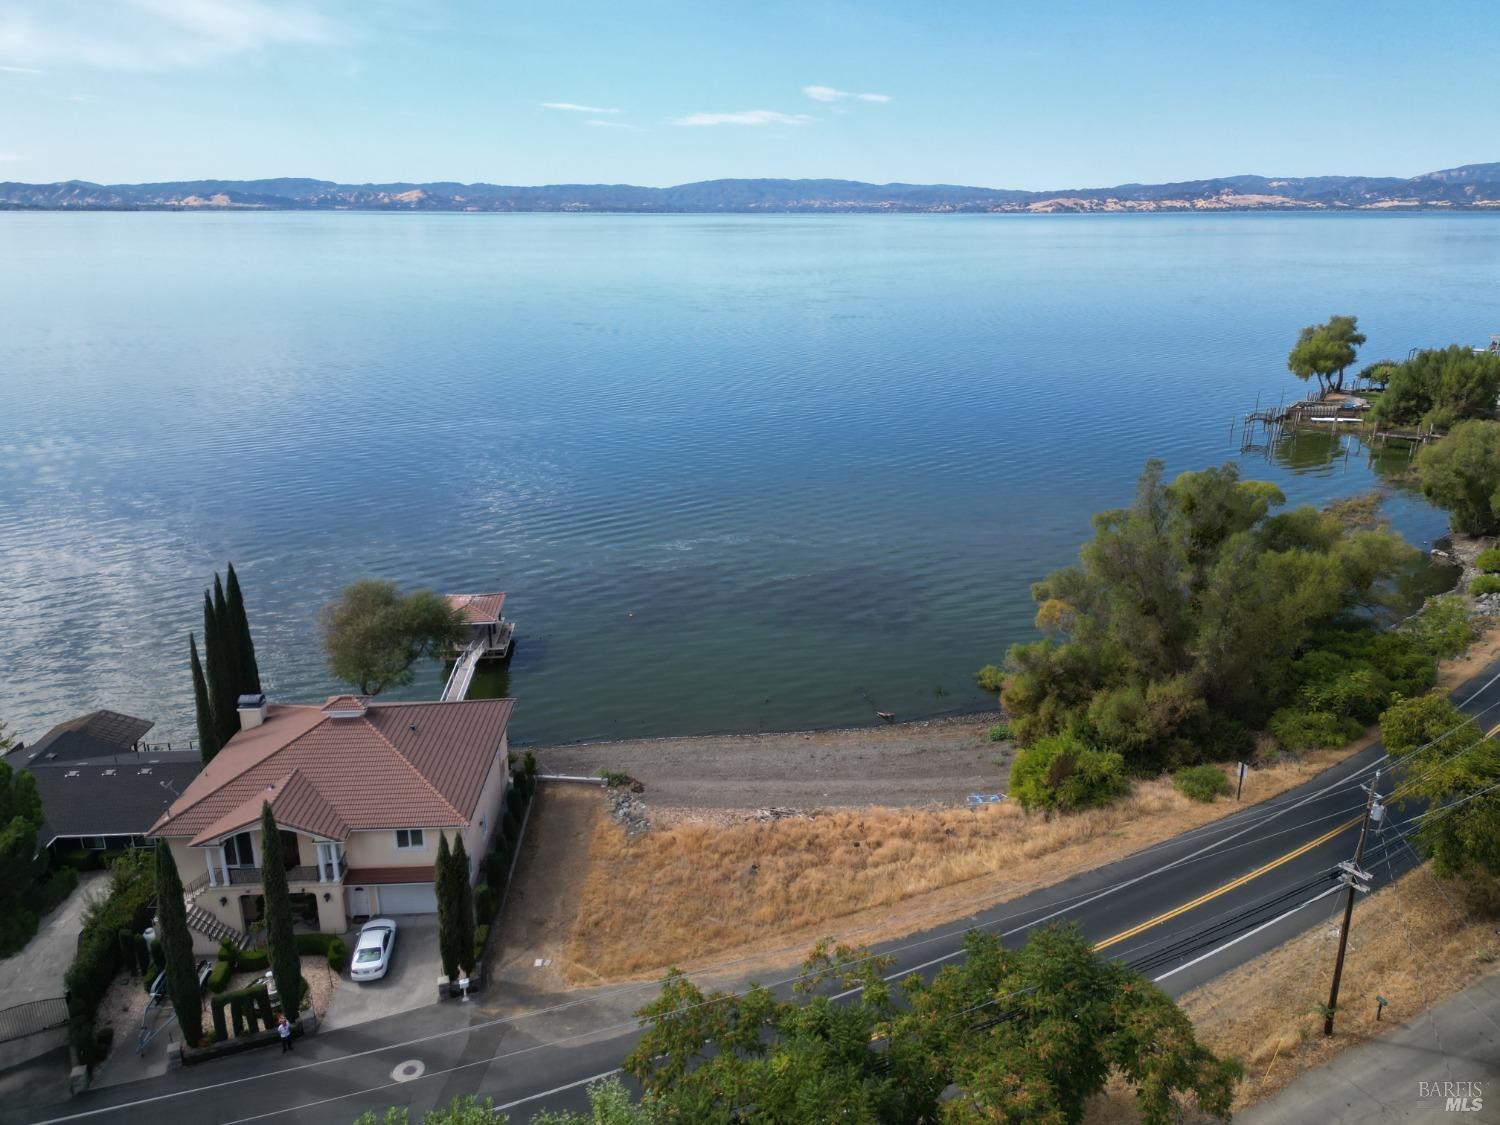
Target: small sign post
(1240, 787)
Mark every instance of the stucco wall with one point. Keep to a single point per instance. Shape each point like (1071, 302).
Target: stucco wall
(378, 849)
(477, 841)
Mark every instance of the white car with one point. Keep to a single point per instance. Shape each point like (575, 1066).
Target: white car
(372, 953)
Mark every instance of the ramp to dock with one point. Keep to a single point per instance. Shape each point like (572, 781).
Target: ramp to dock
(462, 675)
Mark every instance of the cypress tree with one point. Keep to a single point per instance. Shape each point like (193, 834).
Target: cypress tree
(447, 903)
(227, 656)
(464, 905)
(286, 963)
(249, 683)
(208, 730)
(220, 700)
(177, 947)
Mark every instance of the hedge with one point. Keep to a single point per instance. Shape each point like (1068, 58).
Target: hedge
(232, 959)
(246, 1007)
(486, 903)
(49, 894)
(338, 954)
(128, 906)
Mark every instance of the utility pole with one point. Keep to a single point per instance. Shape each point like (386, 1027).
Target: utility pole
(1352, 874)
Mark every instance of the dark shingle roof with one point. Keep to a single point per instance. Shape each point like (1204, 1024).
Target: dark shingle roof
(123, 795)
(95, 735)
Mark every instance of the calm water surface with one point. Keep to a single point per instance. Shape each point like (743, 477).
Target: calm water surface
(736, 473)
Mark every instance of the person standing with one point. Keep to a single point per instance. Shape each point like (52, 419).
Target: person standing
(284, 1029)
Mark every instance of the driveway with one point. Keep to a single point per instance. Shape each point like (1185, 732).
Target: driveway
(36, 972)
(411, 981)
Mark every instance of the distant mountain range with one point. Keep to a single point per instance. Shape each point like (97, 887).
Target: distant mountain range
(1474, 186)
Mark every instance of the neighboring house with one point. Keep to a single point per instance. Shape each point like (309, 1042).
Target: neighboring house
(100, 788)
(360, 792)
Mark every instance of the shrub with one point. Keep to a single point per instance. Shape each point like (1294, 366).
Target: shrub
(313, 944)
(1201, 783)
(337, 955)
(218, 976)
(1443, 627)
(253, 960)
(1485, 584)
(614, 778)
(496, 865)
(486, 902)
(481, 935)
(1000, 732)
(1299, 729)
(990, 679)
(515, 803)
(1488, 560)
(128, 905)
(1061, 772)
(49, 894)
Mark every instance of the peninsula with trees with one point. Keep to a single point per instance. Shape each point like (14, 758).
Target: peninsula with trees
(1472, 187)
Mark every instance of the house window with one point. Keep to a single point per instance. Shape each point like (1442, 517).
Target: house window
(95, 843)
(484, 827)
(409, 838)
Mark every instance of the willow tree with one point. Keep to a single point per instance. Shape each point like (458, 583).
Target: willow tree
(1324, 351)
(374, 634)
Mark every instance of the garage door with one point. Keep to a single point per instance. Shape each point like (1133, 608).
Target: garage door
(407, 898)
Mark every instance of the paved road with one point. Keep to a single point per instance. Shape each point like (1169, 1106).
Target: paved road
(1409, 1073)
(1183, 911)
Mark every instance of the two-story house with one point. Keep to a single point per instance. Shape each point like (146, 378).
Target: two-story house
(360, 792)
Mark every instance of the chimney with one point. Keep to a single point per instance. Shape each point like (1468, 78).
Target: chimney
(252, 710)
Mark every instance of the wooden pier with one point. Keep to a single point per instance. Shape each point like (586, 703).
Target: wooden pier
(491, 637)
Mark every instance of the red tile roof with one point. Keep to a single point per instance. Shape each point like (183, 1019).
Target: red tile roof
(295, 803)
(399, 765)
(478, 609)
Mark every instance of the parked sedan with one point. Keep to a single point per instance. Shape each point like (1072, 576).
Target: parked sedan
(372, 953)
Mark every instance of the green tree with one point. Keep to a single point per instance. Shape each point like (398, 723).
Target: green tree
(1180, 626)
(609, 1104)
(286, 962)
(722, 1057)
(1030, 1034)
(1323, 351)
(1451, 763)
(226, 655)
(374, 634)
(177, 947)
(448, 901)
(222, 700)
(463, 891)
(1439, 387)
(249, 667)
(1461, 474)
(209, 742)
(20, 865)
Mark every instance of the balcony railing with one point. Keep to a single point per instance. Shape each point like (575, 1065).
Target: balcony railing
(307, 873)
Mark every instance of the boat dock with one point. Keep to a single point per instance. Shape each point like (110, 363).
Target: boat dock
(491, 637)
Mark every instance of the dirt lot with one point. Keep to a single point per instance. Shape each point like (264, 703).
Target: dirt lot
(543, 902)
(940, 761)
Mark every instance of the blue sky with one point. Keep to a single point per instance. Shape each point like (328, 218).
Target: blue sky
(1030, 95)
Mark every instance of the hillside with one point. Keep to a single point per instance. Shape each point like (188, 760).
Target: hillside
(1475, 186)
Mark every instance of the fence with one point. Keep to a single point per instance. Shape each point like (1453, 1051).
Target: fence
(35, 1015)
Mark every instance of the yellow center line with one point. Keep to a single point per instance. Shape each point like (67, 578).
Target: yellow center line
(1227, 887)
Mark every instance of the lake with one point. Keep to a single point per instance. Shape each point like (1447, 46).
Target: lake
(736, 472)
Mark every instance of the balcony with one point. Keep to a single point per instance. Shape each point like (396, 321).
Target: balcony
(251, 876)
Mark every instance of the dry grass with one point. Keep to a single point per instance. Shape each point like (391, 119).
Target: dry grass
(766, 890)
(681, 895)
(1415, 943)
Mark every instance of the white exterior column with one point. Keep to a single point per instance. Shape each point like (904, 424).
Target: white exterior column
(213, 874)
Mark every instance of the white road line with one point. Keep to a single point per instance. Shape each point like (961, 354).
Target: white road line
(1250, 933)
(559, 1089)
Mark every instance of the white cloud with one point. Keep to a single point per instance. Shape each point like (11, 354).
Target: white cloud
(746, 117)
(829, 94)
(19, 70)
(156, 34)
(572, 108)
(8, 156)
(611, 125)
